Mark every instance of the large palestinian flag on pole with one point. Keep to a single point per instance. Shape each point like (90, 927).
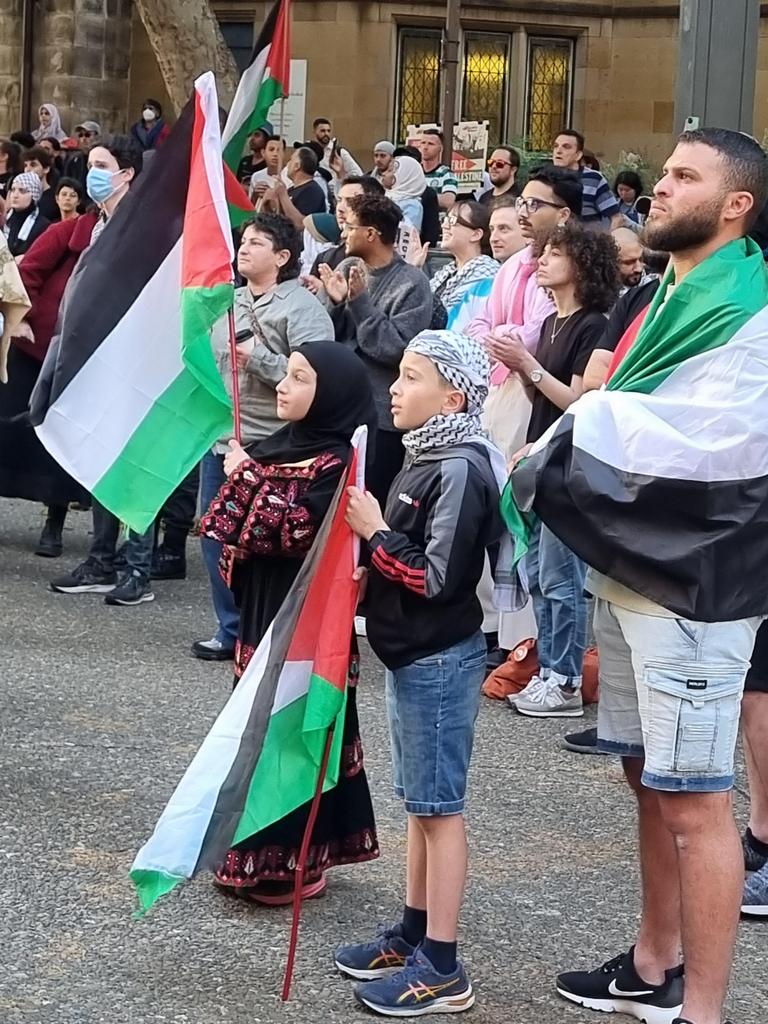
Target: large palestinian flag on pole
(134, 399)
(266, 79)
(660, 481)
(261, 760)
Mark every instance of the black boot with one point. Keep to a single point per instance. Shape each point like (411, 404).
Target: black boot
(169, 560)
(49, 545)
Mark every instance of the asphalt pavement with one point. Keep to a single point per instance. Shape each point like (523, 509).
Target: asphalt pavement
(102, 710)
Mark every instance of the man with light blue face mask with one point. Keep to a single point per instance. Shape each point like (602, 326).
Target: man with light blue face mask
(112, 167)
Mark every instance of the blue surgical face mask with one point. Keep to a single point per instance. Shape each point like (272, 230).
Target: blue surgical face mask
(98, 184)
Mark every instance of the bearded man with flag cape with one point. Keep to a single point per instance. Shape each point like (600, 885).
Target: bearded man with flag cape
(660, 483)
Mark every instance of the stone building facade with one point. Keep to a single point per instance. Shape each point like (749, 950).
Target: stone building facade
(607, 66)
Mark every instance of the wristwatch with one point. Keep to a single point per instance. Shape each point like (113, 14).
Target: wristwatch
(536, 376)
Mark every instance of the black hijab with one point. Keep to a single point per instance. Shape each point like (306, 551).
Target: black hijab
(343, 401)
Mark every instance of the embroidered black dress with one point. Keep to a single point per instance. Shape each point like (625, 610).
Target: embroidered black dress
(287, 506)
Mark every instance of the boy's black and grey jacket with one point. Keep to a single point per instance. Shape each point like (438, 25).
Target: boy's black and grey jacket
(443, 514)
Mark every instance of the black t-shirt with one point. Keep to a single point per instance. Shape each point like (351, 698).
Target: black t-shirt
(246, 168)
(308, 198)
(48, 206)
(564, 357)
(488, 198)
(625, 312)
(332, 257)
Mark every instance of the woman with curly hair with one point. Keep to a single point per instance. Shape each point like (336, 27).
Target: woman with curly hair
(580, 269)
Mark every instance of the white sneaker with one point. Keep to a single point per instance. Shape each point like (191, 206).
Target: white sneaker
(360, 629)
(535, 686)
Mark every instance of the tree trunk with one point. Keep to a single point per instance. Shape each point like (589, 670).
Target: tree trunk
(187, 41)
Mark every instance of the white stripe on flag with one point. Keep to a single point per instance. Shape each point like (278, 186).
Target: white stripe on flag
(245, 97)
(175, 845)
(706, 422)
(211, 142)
(90, 423)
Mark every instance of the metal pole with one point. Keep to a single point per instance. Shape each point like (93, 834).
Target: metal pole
(450, 69)
(27, 62)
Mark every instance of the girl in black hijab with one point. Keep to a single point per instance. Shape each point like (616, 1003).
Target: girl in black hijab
(268, 514)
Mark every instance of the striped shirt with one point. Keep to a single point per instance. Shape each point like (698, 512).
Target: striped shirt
(598, 203)
(442, 179)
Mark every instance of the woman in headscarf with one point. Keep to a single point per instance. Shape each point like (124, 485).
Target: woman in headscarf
(269, 512)
(23, 222)
(405, 184)
(50, 124)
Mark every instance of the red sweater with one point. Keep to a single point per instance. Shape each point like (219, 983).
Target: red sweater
(45, 270)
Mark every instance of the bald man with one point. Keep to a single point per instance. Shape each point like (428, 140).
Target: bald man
(631, 265)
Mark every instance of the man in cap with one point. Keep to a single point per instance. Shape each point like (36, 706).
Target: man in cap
(383, 159)
(88, 135)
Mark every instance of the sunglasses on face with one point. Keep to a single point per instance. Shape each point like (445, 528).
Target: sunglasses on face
(500, 163)
(85, 135)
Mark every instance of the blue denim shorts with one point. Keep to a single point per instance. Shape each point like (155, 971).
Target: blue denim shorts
(432, 705)
(670, 692)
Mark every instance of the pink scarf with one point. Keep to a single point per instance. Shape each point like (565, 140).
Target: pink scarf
(526, 270)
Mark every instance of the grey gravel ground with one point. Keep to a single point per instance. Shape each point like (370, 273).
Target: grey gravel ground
(103, 709)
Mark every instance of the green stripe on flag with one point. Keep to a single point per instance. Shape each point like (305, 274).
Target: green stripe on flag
(162, 450)
(292, 755)
(269, 90)
(699, 315)
(151, 885)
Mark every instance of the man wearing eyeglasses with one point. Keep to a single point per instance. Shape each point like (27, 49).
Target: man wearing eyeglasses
(88, 135)
(503, 166)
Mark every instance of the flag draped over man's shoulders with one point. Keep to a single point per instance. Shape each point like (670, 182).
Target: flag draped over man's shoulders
(660, 481)
(133, 399)
(261, 760)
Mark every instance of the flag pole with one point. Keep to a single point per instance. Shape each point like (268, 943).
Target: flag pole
(235, 376)
(300, 864)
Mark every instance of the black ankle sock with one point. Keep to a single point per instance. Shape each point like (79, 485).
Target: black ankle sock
(414, 925)
(757, 844)
(442, 955)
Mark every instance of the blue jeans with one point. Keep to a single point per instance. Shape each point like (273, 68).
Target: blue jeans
(432, 705)
(138, 546)
(556, 578)
(227, 616)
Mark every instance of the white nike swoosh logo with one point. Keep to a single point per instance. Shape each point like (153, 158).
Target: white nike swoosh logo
(616, 991)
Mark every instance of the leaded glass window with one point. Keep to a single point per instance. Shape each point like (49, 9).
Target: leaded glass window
(550, 72)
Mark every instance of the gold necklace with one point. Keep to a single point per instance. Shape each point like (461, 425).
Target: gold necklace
(555, 333)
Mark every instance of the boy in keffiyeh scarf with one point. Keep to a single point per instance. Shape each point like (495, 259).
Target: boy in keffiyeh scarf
(423, 621)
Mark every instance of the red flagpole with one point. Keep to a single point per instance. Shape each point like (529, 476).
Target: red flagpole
(299, 876)
(235, 378)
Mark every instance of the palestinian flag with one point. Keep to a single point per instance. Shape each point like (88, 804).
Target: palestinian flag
(266, 79)
(660, 481)
(261, 759)
(135, 398)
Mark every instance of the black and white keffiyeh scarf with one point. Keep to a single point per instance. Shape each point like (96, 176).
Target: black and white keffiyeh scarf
(465, 365)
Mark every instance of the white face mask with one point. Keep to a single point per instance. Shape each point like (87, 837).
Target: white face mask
(149, 114)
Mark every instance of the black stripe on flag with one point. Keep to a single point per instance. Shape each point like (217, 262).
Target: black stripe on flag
(699, 549)
(234, 792)
(112, 274)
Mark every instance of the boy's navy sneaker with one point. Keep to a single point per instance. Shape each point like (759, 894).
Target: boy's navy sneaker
(418, 989)
(616, 987)
(385, 955)
(133, 588)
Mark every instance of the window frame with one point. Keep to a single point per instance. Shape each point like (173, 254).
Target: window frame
(418, 32)
(543, 39)
(467, 36)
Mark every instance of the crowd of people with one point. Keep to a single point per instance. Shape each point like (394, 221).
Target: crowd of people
(460, 327)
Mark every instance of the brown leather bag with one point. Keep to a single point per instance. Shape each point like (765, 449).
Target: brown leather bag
(523, 664)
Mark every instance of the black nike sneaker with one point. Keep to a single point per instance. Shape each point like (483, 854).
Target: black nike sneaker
(616, 987)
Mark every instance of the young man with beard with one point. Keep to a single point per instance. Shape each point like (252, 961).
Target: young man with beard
(503, 165)
(378, 303)
(356, 185)
(670, 687)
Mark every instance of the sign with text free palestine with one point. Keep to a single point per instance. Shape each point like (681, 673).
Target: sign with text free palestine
(470, 150)
(295, 106)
